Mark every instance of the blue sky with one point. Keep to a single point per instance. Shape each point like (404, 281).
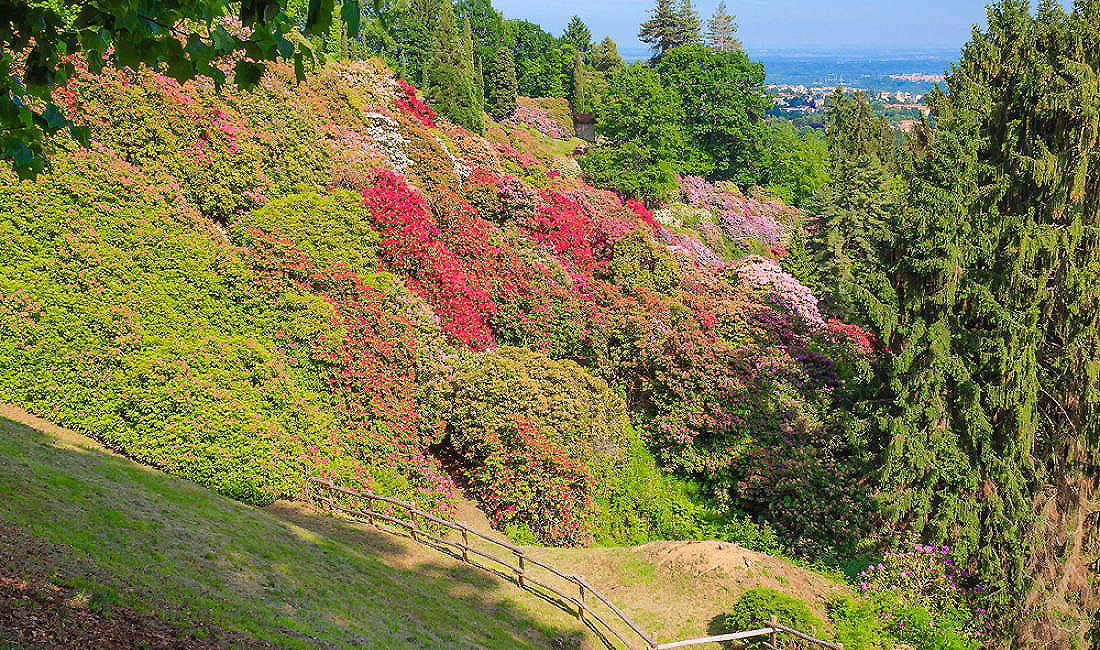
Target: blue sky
(780, 24)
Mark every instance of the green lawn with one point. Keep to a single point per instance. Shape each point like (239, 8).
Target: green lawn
(127, 535)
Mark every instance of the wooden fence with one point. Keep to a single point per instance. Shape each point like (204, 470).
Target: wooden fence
(568, 592)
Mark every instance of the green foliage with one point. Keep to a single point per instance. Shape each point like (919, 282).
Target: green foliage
(141, 326)
(538, 65)
(756, 606)
(637, 260)
(724, 107)
(605, 56)
(882, 622)
(503, 88)
(994, 434)
(670, 26)
(795, 163)
(578, 35)
(335, 228)
(185, 40)
(449, 79)
(645, 144)
(722, 30)
(485, 392)
(856, 230)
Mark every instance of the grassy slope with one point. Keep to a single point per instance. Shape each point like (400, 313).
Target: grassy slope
(135, 537)
(132, 536)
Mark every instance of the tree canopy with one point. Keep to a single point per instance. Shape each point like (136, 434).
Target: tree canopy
(724, 101)
(185, 39)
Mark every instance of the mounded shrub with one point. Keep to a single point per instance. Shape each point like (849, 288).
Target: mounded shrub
(756, 606)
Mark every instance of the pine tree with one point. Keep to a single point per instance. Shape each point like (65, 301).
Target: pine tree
(605, 56)
(664, 30)
(578, 35)
(993, 442)
(722, 30)
(578, 96)
(855, 230)
(448, 78)
(688, 24)
(502, 84)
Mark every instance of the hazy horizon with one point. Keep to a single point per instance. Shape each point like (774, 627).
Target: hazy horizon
(771, 26)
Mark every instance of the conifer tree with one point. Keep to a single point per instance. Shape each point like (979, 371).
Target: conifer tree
(664, 30)
(578, 35)
(993, 442)
(605, 56)
(688, 24)
(722, 30)
(469, 54)
(578, 97)
(855, 231)
(448, 78)
(502, 84)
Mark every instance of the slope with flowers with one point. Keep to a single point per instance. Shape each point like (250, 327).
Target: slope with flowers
(246, 288)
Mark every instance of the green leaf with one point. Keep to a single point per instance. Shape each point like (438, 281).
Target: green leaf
(246, 74)
(319, 19)
(53, 118)
(349, 13)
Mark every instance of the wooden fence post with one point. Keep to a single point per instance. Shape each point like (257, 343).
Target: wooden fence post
(370, 508)
(775, 637)
(522, 569)
(580, 608)
(465, 545)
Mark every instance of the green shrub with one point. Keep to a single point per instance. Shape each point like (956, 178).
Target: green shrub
(126, 314)
(637, 260)
(882, 621)
(757, 606)
(485, 392)
(335, 228)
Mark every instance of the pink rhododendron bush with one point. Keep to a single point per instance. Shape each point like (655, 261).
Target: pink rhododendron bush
(330, 279)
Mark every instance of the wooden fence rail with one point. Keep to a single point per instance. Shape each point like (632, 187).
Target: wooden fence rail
(573, 594)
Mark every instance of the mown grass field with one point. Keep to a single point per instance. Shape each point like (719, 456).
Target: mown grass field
(126, 535)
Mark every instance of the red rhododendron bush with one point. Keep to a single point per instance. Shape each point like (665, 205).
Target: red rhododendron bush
(328, 278)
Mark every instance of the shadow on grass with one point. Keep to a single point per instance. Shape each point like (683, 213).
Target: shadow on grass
(154, 543)
(478, 575)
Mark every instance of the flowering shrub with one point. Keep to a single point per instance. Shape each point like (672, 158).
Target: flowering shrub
(369, 364)
(854, 335)
(407, 102)
(762, 274)
(742, 219)
(563, 225)
(928, 578)
(523, 477)
(535, 435)
(538, 119)
(153, 122)
(410, 244)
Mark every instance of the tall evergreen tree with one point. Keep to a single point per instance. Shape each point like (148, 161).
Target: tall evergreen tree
(578, 35)
(993, 445)
(605, 56)
(448, 78)
(664, 29)
(578, 97)
(473, 63)
(855, 231)
(688, 24)
(722, 30)
(502, 84)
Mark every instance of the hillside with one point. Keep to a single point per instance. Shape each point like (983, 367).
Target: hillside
(123, 537)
